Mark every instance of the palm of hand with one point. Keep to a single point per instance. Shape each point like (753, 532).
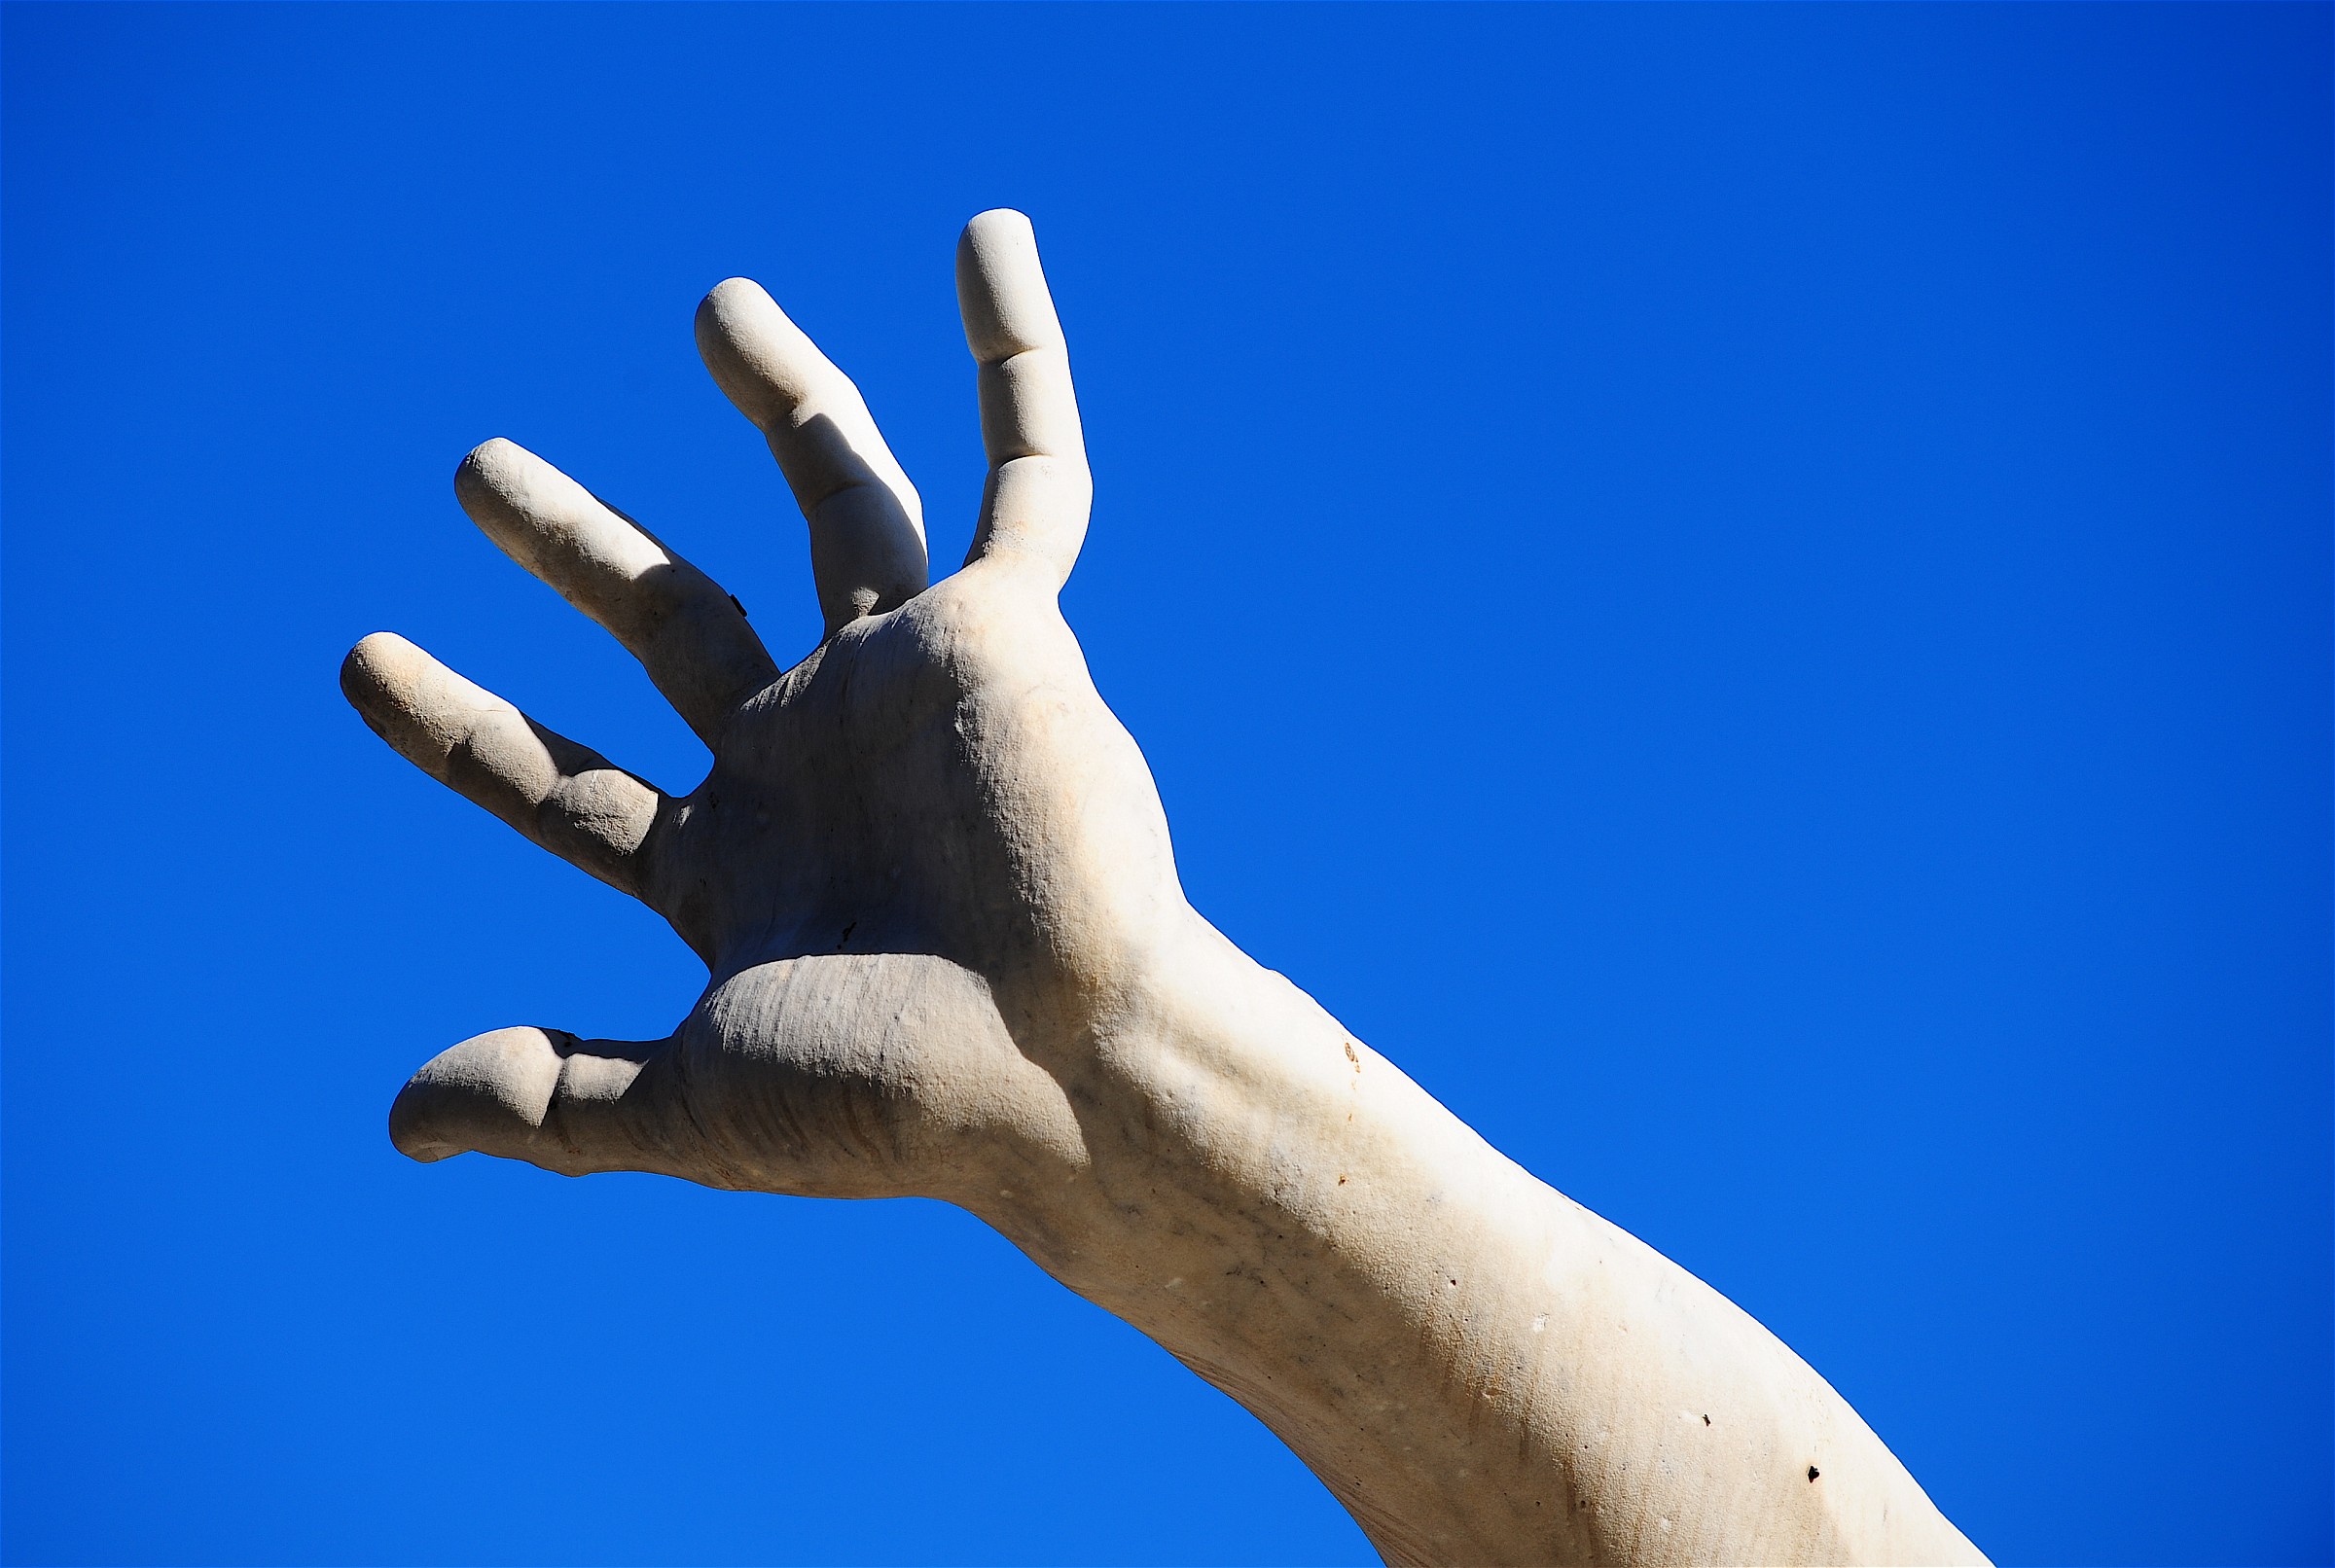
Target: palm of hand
(924, 858)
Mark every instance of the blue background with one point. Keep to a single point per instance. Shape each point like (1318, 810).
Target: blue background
(1744, 591)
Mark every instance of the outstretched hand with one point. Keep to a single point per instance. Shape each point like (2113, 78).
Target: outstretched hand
(948, 955)
(926, 858)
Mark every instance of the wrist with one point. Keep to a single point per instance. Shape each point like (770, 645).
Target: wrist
(1290, 1216)
(1247, 1171)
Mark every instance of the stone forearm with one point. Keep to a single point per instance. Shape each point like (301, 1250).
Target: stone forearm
(1480, 1368)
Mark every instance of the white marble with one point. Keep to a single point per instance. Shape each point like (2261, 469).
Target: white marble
(949, 955)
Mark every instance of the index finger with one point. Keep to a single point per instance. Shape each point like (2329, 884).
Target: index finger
(867, 524)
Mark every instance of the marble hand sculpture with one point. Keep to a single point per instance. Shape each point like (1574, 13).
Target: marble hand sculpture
(932, 881)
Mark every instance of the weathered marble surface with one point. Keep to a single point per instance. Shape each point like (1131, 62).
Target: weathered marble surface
(949, 955)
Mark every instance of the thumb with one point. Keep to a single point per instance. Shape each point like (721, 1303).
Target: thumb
(543, 1096)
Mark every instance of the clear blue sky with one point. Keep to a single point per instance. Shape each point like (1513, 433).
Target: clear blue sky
(1744, 591)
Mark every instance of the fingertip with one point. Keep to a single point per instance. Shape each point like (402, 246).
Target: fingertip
(417, 705)
(371, 669)
(719, 315)
(999, 224)
(1001, 287)
(732, 293)
(491, 478)
(409, 1128)
(413, 1146)
(493, 1089)
(490, 454)
(742, 334)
